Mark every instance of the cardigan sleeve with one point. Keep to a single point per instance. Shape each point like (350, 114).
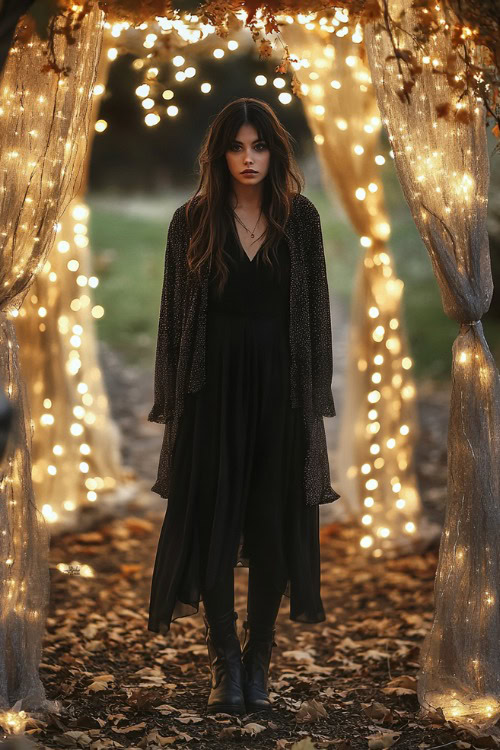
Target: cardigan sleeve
(320, 322)
(167, 341)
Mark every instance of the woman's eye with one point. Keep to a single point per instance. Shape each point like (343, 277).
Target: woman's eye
(259, 146)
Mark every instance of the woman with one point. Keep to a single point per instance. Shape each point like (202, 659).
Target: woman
(242, 382)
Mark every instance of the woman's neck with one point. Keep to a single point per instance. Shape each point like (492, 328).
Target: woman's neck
(246, 198)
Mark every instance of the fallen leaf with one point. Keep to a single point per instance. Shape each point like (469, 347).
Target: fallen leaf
(382, 740)
(126, 730)
(378, 712)
(299, 656)
(306, 744)
(229, 732)
(311, 711)
(189, 719)
(252, 728)
(97, 686)
(402, 685)
(372, 653)
(78, 738)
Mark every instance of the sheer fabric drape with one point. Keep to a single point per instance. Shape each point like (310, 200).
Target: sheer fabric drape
(443, 169)
(76, 445)
(342, 113)
(43, 128)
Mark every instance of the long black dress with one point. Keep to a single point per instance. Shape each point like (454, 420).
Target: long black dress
(236, 490)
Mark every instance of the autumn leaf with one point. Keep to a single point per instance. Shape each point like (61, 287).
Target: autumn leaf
(378, 712)
(382, 740)
(303, 656)
(100, 683)
(252, 728)
(305, 744)
(188, 718)
(311, 711)
(126, 730)
(76, 738)
(265, 48)
(403, 685)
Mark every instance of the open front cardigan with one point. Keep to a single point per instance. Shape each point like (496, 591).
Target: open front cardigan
(180, 351)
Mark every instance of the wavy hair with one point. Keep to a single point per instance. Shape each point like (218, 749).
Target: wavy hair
(208, 211)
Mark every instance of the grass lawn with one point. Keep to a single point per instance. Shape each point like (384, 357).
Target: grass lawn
(128, 236)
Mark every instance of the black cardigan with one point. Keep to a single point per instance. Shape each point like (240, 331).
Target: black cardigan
(180, 351)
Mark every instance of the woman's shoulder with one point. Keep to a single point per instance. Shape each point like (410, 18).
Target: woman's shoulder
(303, 208)
(180, 213)
(302, 204)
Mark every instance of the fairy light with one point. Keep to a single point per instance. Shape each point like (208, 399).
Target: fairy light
(68, 453)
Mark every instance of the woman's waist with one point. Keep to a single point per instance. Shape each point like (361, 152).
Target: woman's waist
(230, 312)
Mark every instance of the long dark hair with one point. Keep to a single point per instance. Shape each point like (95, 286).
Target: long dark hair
(209, 213)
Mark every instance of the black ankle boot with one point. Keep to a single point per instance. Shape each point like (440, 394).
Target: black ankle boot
(224, 653)
(256, 658)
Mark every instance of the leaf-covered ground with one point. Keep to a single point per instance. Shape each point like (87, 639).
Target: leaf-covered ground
(349, 682)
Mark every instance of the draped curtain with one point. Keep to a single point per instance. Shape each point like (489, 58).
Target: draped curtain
(44, 120)
(76, 445)
(443, 168)
(376, 456)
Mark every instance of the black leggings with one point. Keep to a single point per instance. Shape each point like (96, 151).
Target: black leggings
(263, 600)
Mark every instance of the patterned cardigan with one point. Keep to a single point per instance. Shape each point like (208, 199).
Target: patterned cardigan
(180, 351)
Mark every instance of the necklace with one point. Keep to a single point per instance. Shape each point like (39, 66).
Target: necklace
(251, 233)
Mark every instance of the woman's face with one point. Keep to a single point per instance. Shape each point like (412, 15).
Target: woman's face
(248, 152)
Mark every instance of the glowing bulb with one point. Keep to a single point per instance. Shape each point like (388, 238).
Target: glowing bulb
(152, 119)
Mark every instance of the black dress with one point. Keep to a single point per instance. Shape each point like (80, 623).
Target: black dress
(236, 491)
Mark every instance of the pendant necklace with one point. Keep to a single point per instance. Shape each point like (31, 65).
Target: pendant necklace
(238, 218)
